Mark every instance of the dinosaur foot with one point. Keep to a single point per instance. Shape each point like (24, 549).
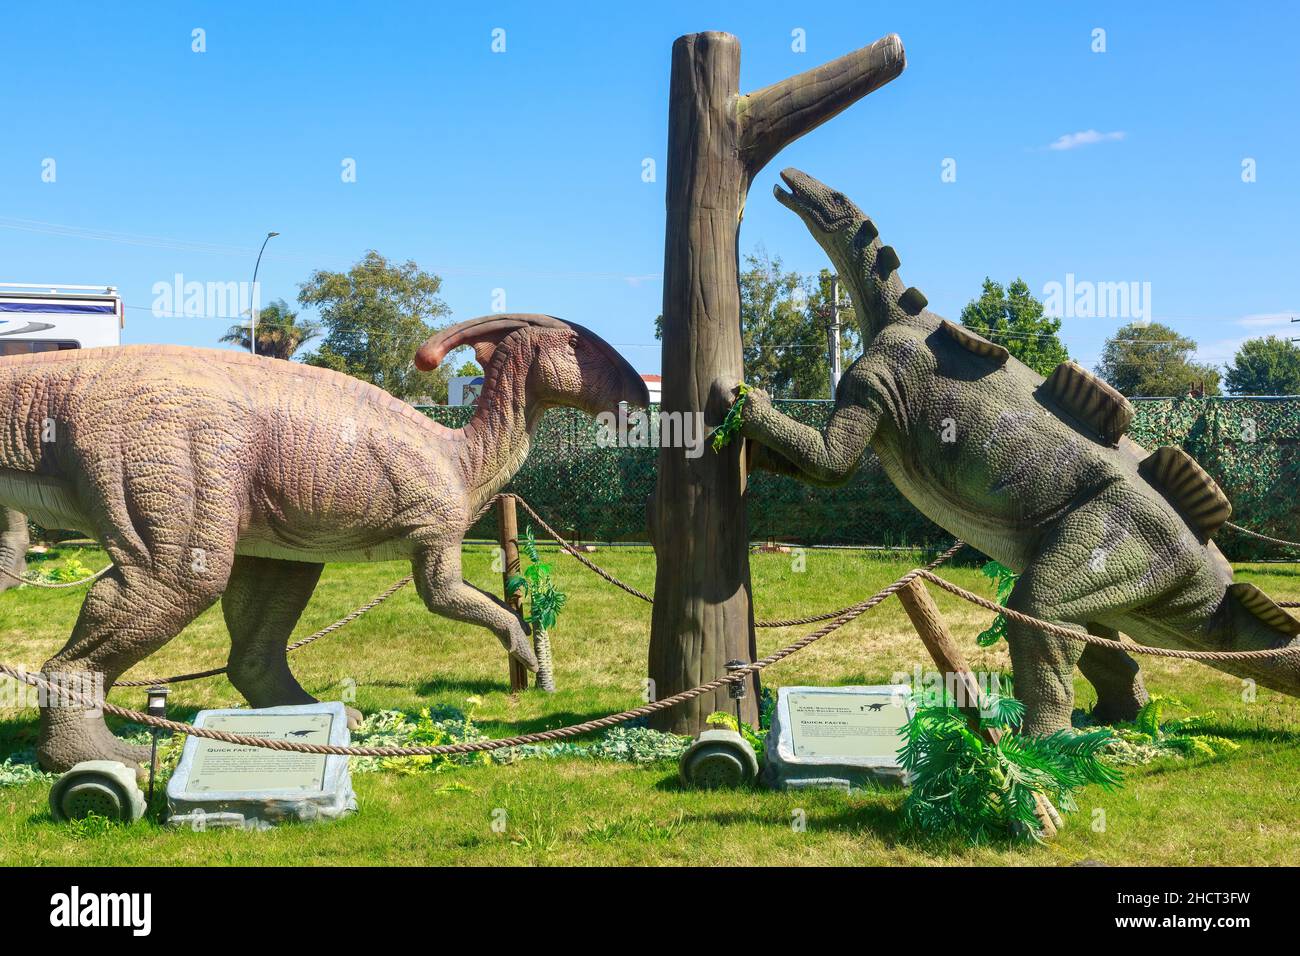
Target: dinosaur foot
(1117, 711)
(65, 744)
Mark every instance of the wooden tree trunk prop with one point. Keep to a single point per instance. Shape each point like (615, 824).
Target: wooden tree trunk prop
(938, 640)
(718, 140)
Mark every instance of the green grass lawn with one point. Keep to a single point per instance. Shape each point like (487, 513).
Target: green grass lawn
(1235, 809)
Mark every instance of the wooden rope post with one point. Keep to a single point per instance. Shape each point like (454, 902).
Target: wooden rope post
(508, 536)
(938, 640)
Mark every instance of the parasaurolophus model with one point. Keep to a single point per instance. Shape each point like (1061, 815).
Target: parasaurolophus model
(1038, 474)
(209, 474)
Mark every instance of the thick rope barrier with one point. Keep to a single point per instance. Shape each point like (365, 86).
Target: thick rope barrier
(478, 746)
(57, 585)
(328, 629)
(1068, 633)
(1262, 537)
(646, 710)
(637, 593)
(324, 631)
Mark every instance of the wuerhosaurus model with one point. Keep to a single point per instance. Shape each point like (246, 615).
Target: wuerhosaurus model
(208, 474)
(1038, 474)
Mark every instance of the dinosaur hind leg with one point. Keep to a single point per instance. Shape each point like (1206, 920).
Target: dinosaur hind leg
(1116, 678)
(1084, 570)
(262, 604)
(128, 614)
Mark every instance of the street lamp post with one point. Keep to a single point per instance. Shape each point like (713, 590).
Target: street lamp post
(252, 330)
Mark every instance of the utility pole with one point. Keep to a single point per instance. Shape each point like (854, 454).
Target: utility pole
(834, 342)
(252, 309)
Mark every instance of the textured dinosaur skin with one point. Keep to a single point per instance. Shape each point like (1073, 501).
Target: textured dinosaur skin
(13, 546)
(979, 445)
(209, 474)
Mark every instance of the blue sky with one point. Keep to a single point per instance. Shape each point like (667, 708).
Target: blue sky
(522, 170)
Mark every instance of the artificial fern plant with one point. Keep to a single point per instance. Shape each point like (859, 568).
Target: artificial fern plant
(964, 784)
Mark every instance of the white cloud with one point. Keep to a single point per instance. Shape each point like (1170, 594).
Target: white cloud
(1221, 352)
(1085, 138)
(1267, 320)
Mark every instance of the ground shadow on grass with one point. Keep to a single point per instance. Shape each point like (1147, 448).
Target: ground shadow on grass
(533, 725)
(878, 812)
(451, 685)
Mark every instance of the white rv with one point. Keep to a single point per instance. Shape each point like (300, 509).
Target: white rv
(50, 318)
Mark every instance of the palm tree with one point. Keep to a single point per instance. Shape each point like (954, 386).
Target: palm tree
(279, 333)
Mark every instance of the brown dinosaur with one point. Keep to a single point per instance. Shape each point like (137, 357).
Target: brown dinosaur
(208, 474)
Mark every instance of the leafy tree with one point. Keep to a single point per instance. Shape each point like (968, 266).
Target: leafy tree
(785, 320)
(1013, 318)
(469, 368)
(1268, 366)
(279, 333)
(1154, 360)
(376, 315)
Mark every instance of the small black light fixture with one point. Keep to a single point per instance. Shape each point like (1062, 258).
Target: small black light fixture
(736, 689)
(157, 707)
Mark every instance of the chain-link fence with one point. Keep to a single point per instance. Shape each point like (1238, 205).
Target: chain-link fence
(596, 493)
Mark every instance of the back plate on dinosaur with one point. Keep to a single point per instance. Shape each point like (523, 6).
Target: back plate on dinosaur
(1188, 488)
(974, 343)
(1262, 606)
(1090, 400)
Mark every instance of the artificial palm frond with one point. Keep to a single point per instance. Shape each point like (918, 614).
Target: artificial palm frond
(963, 783)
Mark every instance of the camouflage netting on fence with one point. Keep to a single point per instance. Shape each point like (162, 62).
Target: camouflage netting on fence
(598, 494)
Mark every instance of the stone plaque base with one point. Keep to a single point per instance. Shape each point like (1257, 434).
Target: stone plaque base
(219, 785)
(843, 738)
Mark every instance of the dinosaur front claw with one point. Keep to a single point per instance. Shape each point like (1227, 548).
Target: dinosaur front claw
(520, 649)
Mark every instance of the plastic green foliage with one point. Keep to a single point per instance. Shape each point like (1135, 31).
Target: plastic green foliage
(545, 600)
(965, 785)
(756, 738)
(1005, 579)
(723, 434)
(1150, 736)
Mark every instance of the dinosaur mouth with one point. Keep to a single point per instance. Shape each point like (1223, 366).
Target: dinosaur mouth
(815, 202)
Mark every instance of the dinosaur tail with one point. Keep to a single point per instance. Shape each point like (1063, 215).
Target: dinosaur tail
(852, 241)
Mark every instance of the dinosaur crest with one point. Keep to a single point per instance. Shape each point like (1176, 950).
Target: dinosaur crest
(1091, 401)
(1185, 484)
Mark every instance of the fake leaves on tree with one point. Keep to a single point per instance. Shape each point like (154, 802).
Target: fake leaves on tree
(545, 600)
(963, 784)
(723, 434)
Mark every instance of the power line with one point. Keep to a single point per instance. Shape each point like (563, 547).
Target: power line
(211, 248)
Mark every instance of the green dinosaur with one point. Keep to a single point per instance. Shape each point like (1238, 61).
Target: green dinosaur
(1034, 472)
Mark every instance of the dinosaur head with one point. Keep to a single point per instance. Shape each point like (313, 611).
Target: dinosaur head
(565, 363)
(852, 241)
